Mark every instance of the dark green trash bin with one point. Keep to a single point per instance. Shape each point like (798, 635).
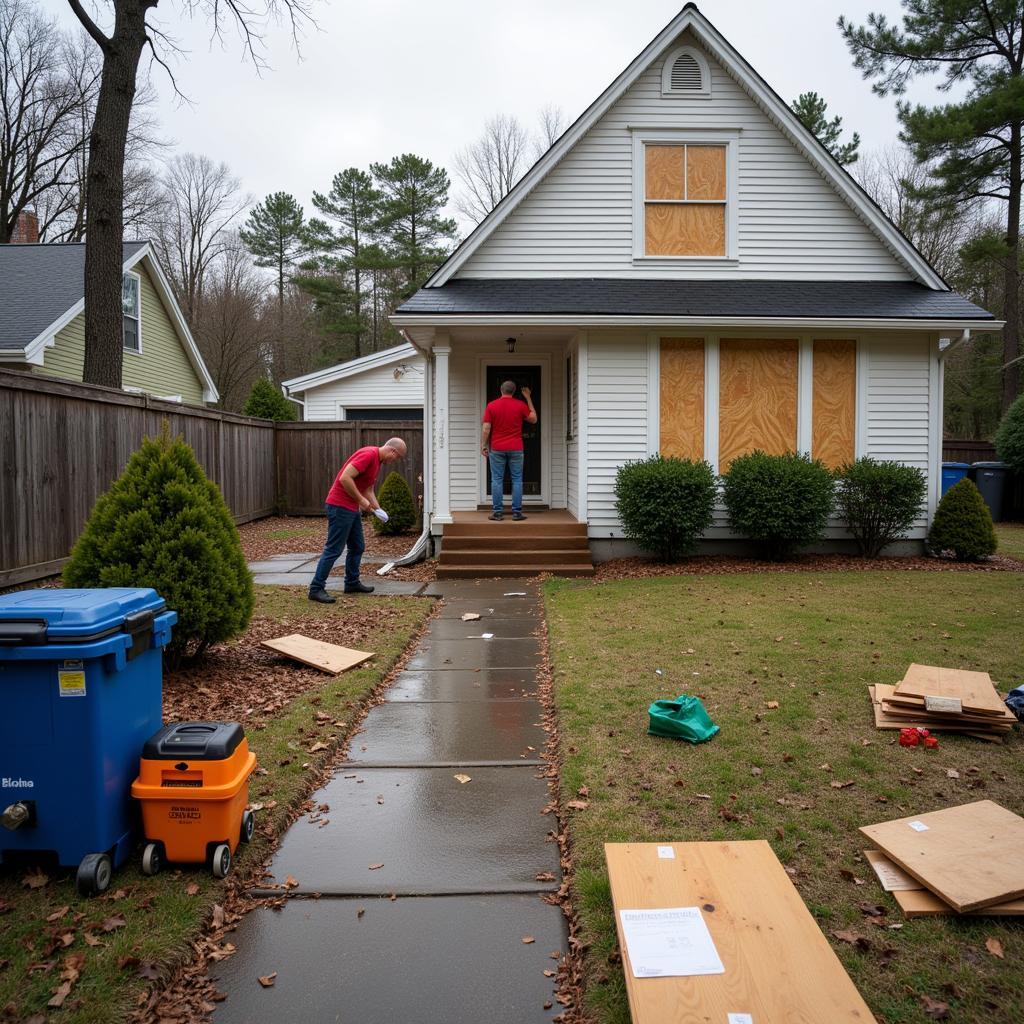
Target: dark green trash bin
(990, 478)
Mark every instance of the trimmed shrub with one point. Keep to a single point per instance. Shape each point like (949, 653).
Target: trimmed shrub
(163, 525)
(1010, 436)
(396, 499)
(268, 403)
(665, 504)
(781, 502)
(879, 501)
(963, 524)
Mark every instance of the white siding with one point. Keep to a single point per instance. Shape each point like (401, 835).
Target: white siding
(577, 222)
(572, 449)
(374, 387)
(617, 420)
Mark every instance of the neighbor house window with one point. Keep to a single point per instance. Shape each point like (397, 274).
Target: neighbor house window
(685, 196)
(131, 312)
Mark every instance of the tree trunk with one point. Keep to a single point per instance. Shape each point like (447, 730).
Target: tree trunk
(1011, 332)
(105, 197)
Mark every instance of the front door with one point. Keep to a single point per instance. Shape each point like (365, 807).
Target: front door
(530, 377)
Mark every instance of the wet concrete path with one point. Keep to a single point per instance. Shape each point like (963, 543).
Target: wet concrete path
(461, 859)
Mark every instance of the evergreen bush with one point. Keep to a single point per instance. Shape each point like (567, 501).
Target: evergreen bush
(665, 504)
(879, 501)
(163, 525)
(267, 402)
(1010, 436)
(396, 499)
(963, 524)
(781, 502)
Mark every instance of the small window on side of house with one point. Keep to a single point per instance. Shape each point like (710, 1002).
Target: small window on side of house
(131, 313)
(685, 198)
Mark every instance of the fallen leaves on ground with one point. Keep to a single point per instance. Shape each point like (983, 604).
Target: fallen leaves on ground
(35, 879)
(376, 867)
(995, 947)
(463, 779)
(934, 1009)
(527, 939)
(267, 980)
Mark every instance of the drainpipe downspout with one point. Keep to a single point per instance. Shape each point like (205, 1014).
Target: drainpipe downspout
(421, 547)
(299, 402)
(965, 336)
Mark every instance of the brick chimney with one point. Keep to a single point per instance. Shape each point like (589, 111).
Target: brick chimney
(27, 227)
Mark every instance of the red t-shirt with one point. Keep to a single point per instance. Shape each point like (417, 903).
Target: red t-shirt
(367, 462)
(506, 416)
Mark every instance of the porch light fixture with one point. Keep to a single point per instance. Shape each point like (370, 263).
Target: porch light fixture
(510, 344)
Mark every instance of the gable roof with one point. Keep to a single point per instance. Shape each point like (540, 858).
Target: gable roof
(760, 92)
(398, 354)
(42, 289)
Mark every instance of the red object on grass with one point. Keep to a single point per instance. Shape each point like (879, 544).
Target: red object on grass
(931, 741)
(909, 738)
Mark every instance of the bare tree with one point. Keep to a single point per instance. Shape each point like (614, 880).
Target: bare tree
(489, 167)
(552, 124)
(199, 202)
(122, 51)
(230, 327)
(44, 83)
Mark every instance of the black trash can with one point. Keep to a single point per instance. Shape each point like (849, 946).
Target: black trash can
(990, 478)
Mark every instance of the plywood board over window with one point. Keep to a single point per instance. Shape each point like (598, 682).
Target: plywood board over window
(757, 398)
(834, 402)
(681, 398)
(684, 200)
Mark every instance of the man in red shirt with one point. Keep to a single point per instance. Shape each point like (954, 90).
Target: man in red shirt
(350, 495)
(502, 440)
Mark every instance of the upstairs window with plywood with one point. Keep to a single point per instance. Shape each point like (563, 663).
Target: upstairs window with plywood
(684, 199)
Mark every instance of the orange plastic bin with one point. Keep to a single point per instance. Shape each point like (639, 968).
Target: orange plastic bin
(193, 787)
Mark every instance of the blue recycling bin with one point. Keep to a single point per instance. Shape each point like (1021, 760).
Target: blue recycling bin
(953, 473)
(81, 690)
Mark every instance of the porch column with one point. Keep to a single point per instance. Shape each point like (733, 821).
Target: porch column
(442, 441)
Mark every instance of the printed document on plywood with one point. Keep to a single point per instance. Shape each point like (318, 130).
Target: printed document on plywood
(674, 942)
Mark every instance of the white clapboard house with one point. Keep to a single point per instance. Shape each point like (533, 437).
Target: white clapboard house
(686, 271)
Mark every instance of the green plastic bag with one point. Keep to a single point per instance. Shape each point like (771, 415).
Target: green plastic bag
(683, 718)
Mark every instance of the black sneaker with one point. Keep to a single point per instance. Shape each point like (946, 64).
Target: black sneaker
(496, 516)
(518, 516)
(358, 588)
(322, 596)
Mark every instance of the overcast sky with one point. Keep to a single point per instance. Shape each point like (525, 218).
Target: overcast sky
(384, 77)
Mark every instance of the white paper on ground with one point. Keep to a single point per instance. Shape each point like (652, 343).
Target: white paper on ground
(666, 853)
(672, 942)
(516, 593)
(892, 877)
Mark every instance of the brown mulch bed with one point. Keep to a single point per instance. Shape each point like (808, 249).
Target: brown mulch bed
(641, 568)
(243, 682)
(310, 535)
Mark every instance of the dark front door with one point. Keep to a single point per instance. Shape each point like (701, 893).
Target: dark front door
(530, 376)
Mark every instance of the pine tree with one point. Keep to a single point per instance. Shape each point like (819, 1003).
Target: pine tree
(414, 194)
(974, 145)
(963, 524)
(268, 403)
(811, 108)
(273, 234)
(164, 525)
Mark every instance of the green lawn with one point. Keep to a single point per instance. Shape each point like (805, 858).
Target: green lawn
(1011, 539)
(143, 926)
(812, 642)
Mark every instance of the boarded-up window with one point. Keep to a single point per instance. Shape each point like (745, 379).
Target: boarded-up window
(757, 398)
(835, 402)
(681, 398)
(684, 200)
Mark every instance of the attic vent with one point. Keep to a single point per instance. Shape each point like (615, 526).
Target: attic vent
(686, 76)
(685, 73)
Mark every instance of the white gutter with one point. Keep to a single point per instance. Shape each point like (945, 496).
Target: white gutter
(298, 401)
(420, 548)
(965, 336)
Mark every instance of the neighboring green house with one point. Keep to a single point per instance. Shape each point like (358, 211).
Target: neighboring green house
(42, 321)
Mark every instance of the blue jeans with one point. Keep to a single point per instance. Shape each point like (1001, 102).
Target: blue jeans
(514, 461)
(344, 530)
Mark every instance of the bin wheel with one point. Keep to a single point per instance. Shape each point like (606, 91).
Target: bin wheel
(93, 874)
(222, 860)
(248, 826)
(152, 859)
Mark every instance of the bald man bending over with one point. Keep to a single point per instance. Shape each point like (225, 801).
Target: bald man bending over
(350, 496)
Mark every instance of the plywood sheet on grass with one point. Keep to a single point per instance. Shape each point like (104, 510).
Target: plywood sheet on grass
(884, 720)
(684, 229)
(778, 964)
(757, 398)
(974, 689)
(681, 401)
(834, 402)
(317, 654)
(970, 855)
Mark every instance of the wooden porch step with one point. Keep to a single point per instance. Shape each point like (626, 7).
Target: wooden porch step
(452, 572)
(516, 540)
(522, 558)
(509, 528)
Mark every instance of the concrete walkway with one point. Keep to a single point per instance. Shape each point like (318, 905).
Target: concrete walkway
(427, 886)
(297, 570)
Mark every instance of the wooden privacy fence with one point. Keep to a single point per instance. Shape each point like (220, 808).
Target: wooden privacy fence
(63, 443)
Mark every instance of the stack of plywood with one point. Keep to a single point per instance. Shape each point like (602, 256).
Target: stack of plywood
(944, 699)
(960, 860)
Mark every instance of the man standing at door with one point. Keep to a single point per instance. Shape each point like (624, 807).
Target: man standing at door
(502, 439)
(350, 496)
